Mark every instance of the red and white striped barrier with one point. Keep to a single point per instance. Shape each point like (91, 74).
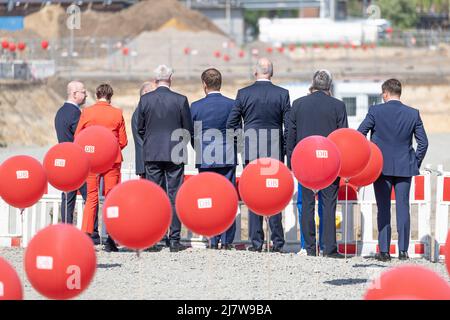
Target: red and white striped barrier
(17, 231)
(442, 210)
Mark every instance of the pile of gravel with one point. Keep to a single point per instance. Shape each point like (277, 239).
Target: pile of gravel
(223, 275)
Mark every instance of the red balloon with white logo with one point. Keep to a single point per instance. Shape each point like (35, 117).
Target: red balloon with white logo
(316, 162)
(207, 204)
(101, 147)
(10, 285)
(67, 166)
(137, 213)
(447, 252)
(22, 181)
(409, 281)
(266, 186)
(354, 149)
(60, 261)
(373, 169)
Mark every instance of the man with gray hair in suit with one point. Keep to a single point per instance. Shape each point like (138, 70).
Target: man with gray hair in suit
(317, 114)
(162, 114)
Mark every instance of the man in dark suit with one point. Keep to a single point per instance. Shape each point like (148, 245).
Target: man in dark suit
(317, 114)
(66, 121)
(263, 107)
(392, 126)
(165, 125)
(214, 153)
(138, 141)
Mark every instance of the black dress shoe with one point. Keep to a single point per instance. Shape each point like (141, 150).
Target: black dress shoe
(311, 253)
(403, 255)
(254, 249)
(176, 247)
(110, 245)
(277, 249)
(383, 256)
(227, 247)
(334, 255)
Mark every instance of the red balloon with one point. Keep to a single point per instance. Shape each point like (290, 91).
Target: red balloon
(12, 47)
(316, 162)
(100, 145)
(22, 181)
(125, 51)
(373, 169)
(60, 261)
(137, 213)
(21, 46)
(447, 252)
(67, 166)
(241, 54)
(207, 204)
(226, 58)
(266, 186)
(354, 149)
(352, 192)
(44, 44)
(10, 285)
(5, 44)
(217, 54)
(411, 281)
(269, 50)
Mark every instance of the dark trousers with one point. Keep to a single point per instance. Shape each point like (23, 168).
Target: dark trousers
(329, 202)
(228, 236)
(71, 199)
(383, 189)
(168, 176)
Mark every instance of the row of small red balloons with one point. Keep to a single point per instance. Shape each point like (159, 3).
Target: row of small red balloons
(21, 46)
(138, 213)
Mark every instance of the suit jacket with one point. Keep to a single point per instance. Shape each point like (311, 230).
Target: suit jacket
(262, 105)
(138, 145)
(160, 113)
(66, 121)
(104, 114)
(315, 114)
(212, 113)
(392, 126)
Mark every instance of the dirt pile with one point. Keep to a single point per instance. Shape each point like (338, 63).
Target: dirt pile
(148, 15)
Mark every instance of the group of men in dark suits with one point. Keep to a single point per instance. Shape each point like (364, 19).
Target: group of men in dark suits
(163, 121)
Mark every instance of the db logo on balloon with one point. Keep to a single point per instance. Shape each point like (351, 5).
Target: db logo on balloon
(60, 163)
(112, 212)
(22, 174)
(322, 154)
(271, 183)
(44, 263)
(205, 203)
(89, 149)
(2, 290)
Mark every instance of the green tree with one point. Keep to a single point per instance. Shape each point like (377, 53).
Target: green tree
(402, 13)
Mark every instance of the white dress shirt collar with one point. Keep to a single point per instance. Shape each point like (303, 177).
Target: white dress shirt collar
(73, 103)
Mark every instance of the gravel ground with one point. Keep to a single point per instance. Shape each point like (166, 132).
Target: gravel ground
(222, 275)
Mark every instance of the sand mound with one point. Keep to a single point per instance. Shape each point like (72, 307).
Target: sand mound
(50, 22)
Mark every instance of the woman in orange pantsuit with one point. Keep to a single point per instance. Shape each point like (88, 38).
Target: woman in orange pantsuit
(102, 113)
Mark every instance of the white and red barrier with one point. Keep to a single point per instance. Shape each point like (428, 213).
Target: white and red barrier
(442, 210)
(360, 218)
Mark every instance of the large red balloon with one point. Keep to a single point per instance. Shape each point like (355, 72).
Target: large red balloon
(411, 281)
(5, 44)
(10, 285)
(22, 181)
(316, 162)
(207, 204)
(354, 149)
(100, 145)
(44, 44)
(67, 166)
(137, 213)
(373, 169)
(60, 261)
(447, 252)
(266, 186)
